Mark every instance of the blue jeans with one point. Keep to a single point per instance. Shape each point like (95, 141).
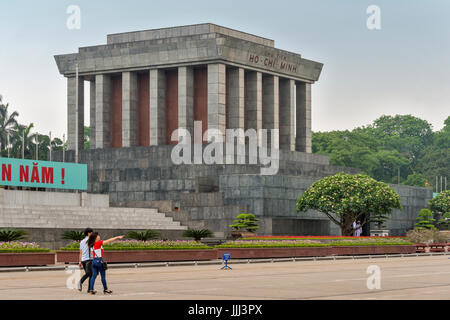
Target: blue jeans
(97, 267)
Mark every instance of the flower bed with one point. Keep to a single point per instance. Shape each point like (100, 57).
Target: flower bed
(145, 245)
(315, 238)
(310, 243)
(248, 249)
(270, 244)
(15, 253)
(20, 247)
(381, 241)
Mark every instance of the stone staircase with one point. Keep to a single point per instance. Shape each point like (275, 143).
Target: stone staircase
(66, 217)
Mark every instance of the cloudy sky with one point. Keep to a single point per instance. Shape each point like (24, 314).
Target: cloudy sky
(404, 68)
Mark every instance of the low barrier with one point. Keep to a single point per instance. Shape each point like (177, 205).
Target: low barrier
(249, 253)
(256, 253)
(27, 259)
(143, 255)
(432, 247)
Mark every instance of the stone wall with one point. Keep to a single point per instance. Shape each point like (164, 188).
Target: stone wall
(209, 196)
(49, 198)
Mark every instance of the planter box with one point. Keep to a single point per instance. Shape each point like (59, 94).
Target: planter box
(365, 250)
(254, 253)
(143, 255)
(26, 259)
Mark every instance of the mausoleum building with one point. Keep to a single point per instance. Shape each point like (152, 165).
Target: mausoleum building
(146, 84)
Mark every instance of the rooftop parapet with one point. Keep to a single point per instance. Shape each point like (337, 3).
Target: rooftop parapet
(189, 30)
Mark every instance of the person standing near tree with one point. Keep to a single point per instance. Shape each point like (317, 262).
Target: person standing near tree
(85, 259)
(357, 229)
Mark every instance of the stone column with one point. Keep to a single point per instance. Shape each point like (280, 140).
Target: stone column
(217, 97)
(253, 84)
(271, 99)
(71, 113)
(129, 109)
(102, 111)
(157, 107)
(92, 114)
(303, 117)
(236, 98)
(287, 109)
(186, 99)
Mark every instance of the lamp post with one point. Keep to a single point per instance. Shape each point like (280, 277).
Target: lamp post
(64, 147)
(23, 144)
(37, 146)
(50, 137)
(7, 143)
(76, 113)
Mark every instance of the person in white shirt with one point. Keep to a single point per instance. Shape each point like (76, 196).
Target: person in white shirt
(357, 229)
(85, 260)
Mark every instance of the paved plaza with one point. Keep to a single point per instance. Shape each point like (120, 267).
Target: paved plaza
(401, 278)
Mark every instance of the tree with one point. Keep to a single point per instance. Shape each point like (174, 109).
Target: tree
(440, 203)
(87, 137)
(23, 132)
(245, 221)
(7, 123)
(415, 180)
(346, 198)
(405, 133)
(435, 160)
(425, 220)
(444, 221)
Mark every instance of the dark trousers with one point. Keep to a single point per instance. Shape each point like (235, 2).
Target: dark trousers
(87, 267)
(97, 267)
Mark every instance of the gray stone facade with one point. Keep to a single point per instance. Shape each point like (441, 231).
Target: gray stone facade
(210, 196)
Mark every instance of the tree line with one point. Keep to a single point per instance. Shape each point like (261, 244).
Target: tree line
(392, 149)
(22, 141)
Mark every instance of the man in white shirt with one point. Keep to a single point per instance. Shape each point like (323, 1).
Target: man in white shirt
(85, 259)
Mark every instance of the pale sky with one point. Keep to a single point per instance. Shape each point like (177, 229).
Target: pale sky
(404, 68)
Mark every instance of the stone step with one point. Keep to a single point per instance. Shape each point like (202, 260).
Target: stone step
(73, 217)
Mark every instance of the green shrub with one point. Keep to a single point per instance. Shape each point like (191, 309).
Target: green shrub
(145, 245)
(425, 220)
(198, 234)
(12, 235)
(73, 235)
(309, 243)
(245, 221)
(18, 247)
(143, 235)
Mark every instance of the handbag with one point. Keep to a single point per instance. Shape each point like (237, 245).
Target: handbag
(105, 265)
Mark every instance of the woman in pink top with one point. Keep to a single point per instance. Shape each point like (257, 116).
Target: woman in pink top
(96, 247)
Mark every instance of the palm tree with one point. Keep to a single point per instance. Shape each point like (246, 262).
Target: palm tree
(7, 123)
(23, 132)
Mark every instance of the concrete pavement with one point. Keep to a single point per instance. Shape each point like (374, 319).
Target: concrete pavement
(401, 278)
